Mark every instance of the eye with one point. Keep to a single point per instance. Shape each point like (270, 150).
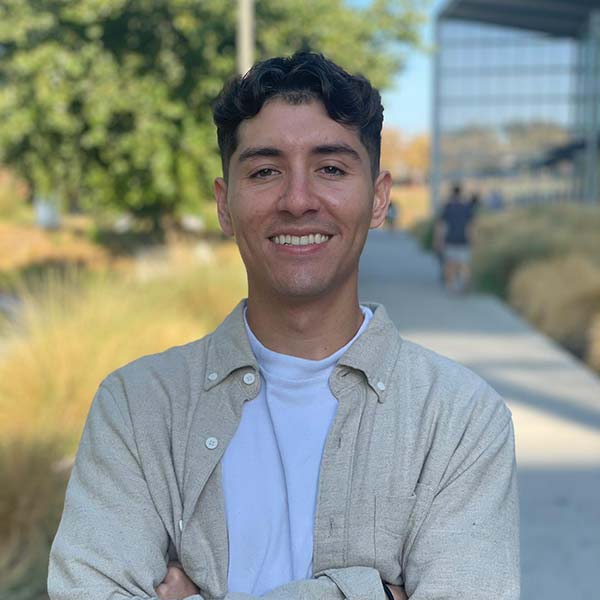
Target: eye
(263, 173)
(332, 170)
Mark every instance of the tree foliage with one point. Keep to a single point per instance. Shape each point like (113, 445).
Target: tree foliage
(107, 102)
(406, 157)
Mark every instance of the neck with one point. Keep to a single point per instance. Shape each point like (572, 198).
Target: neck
(312, 329)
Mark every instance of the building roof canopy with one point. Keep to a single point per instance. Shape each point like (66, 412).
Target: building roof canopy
(565, 18)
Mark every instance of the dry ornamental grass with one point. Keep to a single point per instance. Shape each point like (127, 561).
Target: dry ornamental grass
(561, 297)
(593, 355)
(72, 331)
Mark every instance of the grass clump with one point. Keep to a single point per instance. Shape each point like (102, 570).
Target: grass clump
(545, 261)
(561, 297)
(31, 500)
(593, 355)
(503, 242)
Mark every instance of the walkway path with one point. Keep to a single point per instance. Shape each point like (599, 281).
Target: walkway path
(555, 401)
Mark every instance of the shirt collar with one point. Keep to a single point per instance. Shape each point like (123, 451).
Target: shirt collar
(374, 352)
(228, 349)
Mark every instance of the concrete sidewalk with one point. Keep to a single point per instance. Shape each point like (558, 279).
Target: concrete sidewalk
(555, 401)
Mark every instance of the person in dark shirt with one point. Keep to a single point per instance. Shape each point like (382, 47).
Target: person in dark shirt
(391, 216)
(454, 230)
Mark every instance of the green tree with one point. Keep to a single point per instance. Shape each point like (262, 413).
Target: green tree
(106, 103)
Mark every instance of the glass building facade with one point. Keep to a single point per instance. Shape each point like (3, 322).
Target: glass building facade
(517, 100)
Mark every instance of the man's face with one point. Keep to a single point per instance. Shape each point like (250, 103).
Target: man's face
(300, 200)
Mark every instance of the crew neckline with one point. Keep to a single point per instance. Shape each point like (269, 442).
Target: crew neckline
(291, 368)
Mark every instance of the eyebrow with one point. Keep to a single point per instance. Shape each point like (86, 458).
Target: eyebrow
(256, 152)
(271, 151)
(337, 149)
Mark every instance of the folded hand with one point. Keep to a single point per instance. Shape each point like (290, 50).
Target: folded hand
(176, 585)
(397, 592)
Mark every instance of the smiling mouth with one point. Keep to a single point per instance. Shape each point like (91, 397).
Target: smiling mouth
(300, 240)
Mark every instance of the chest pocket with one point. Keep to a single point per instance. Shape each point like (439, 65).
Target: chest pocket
(392, 527)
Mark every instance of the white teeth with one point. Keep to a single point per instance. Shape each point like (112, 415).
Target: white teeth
(295, 240)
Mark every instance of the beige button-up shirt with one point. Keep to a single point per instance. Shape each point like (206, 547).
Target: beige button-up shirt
(417, 480)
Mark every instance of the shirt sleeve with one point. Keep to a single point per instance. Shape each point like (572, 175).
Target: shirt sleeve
(111, 542)
(351, 583)
(467, 544)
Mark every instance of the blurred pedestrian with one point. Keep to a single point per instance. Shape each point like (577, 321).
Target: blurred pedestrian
(454, 234)
(391, 216)
(437, 242)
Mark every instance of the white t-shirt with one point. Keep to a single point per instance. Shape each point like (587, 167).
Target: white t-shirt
(271, 469)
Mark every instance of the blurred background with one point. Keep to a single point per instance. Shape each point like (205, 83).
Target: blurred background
(110, 248)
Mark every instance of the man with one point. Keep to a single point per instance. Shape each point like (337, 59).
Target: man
(454, 235)
(303, 450)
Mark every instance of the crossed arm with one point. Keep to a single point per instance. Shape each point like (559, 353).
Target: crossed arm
(178, 586)
(112, 542)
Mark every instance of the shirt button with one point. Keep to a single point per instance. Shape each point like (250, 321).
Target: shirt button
(249, 378)
(380, 386)
(212, 376)
(211, 443)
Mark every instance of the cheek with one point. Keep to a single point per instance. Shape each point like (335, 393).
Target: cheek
(355, 206)
(247, 204)
(248, 221)
(242, 209)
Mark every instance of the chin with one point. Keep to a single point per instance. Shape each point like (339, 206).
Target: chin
(307, 290)
(305, 286)
(301, 292)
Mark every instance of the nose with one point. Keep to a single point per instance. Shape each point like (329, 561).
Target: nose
(297, 197)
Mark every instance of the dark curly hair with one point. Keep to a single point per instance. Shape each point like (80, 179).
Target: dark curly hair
(348, 99)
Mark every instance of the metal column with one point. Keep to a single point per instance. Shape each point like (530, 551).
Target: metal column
(592, 121)
(436, 155)
(245, 36)
(577, 128)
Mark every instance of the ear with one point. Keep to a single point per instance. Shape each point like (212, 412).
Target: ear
(381, 199)
(220, 188)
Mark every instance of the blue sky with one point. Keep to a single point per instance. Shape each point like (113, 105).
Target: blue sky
(408, 103)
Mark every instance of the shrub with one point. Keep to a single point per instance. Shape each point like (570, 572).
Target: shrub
(560, 296)
(504, 242)
(423, 231)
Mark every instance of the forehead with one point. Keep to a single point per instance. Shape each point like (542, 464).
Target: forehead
(298, 127)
